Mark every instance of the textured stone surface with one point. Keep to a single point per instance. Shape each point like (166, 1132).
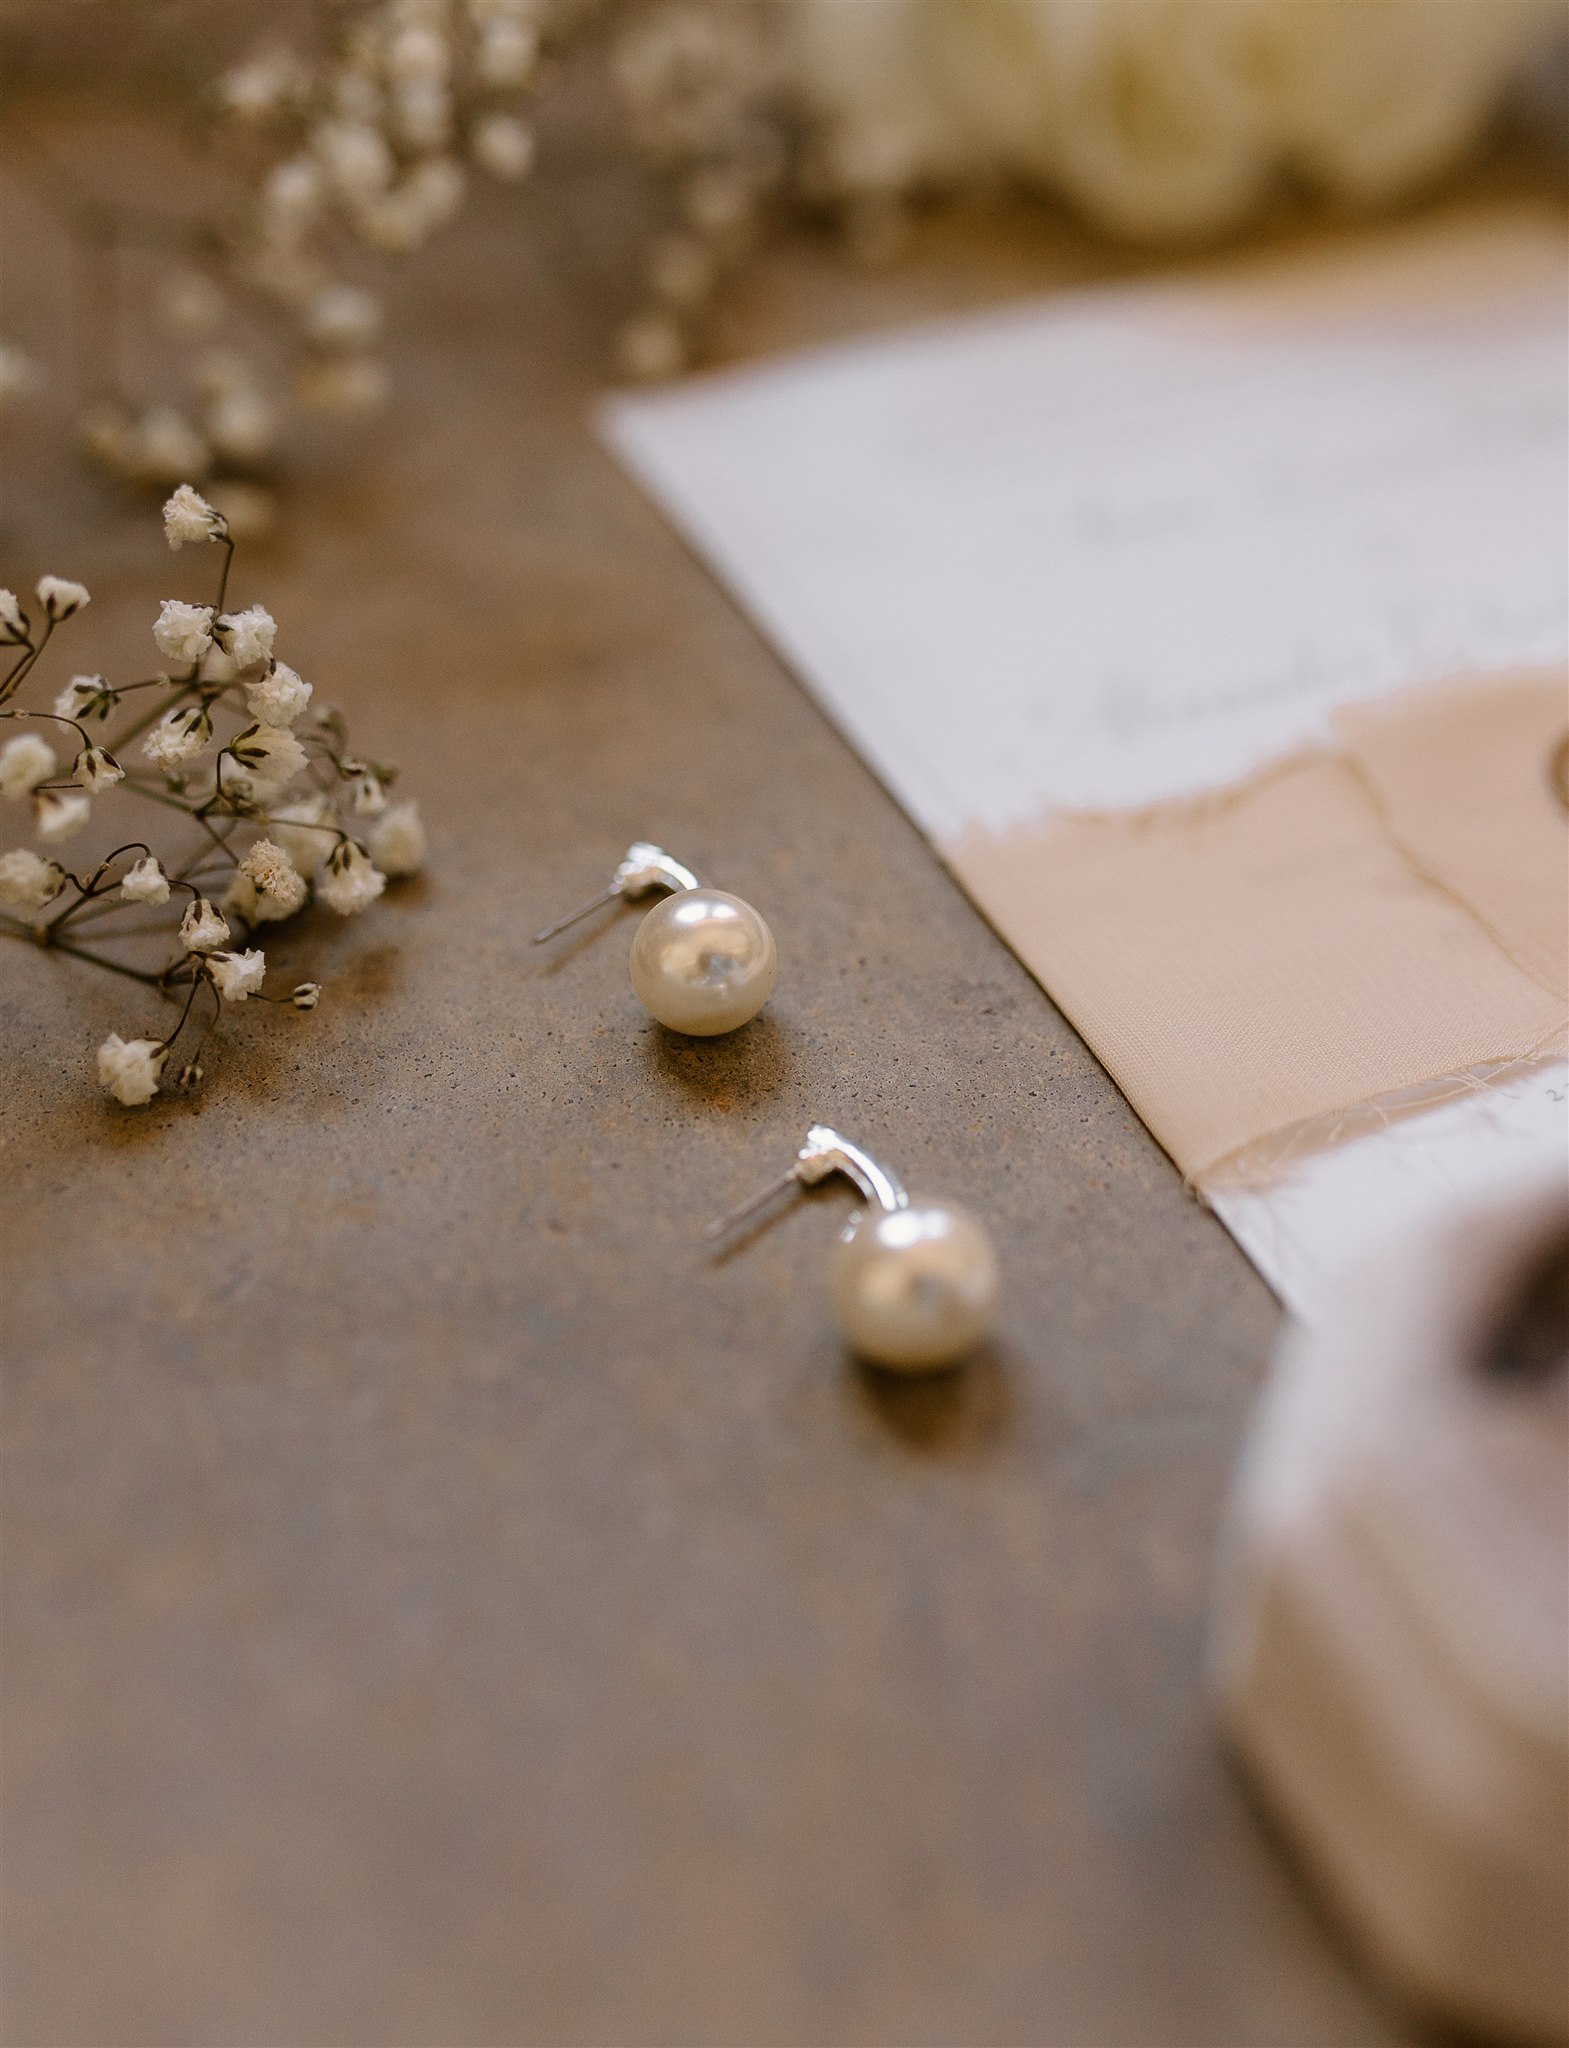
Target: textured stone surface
(440, 1605)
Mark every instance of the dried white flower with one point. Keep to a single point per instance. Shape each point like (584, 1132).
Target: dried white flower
(202, 930)
(506, 54)
(419, 55)
(60, 597)
(130, 1068)
(188, 517)
(146, 882)
(85, 697)
(237, 975)
(246, 637)
(60, 813)
(179, 736)
(502, 145)
(279, 696)
(367, 795)
(183, 631)
(24, 763)
(422, 114)
(343, 316)
(162, 446)
(28, 882)
(355, 157)
(291, 194)
(270, 756)
(13, 621)
(241, 425)
(397, 841)
(307, 995)
(305, 830)
(348, 882)
(96, 770)
(278, 887)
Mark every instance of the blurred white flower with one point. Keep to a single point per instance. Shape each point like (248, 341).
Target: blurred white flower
(305, 830)
(27, 881)
(60, 813)
(397, 841)
(502, 145)
(24, 763)
(85, 697)
(13, 620)
(343, 316)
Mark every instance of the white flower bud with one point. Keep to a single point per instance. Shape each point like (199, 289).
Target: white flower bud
(146, 882)
(96, 770)
(246, 637)
(183, 632)
(279, 696)
(60, 597)
(188, 517)
(179, 736)
(348, 882)
(237, 975)
(202, 930)
(397, 841)
(13, 621)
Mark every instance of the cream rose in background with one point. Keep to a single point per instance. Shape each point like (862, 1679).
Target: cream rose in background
(1159, 118)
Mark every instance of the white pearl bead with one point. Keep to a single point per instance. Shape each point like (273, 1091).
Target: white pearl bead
(703, 962)
(914, 1288)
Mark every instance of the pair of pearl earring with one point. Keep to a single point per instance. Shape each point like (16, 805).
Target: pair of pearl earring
(913, 1280)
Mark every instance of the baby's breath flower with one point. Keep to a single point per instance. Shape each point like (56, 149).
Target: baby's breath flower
(348, 882)
(28, 882)
(202, 930)
(343, 316)
(241, 425)
(279, 696)
(13, 621)
(96, 770)
(24, 763)
(60, 813)
(60, 597)
(237, 975)
(179, 736)
(368, 795)
(162, 446)
(277, 887)
(188, 517)
(502, 145)
(305, 830)
(397, 841)
(505, 54)
(246, 637)
(130, 1069)
(355, 157)
(271, 757)
(85, 697)
(183, 631)
(146, 882)
(307, 995)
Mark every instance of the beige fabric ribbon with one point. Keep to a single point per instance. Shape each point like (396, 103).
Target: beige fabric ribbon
(1344, 926)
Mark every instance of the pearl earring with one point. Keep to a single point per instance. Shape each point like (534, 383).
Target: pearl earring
(913, 1281)
(702, 962)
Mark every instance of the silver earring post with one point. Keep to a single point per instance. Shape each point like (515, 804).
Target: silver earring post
(826, 1151)
(645, 868)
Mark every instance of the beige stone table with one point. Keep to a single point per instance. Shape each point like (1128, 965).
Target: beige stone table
(440, 1605)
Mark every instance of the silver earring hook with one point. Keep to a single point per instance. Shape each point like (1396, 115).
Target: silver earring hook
(825, 1151)
(645, 867)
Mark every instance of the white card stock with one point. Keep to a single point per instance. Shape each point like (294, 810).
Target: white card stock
(1117, 545)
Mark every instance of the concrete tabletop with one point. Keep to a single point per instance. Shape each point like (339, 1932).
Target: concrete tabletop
(443, 1606)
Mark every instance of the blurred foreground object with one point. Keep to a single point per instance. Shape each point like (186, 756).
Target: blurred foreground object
(1391, 1633)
